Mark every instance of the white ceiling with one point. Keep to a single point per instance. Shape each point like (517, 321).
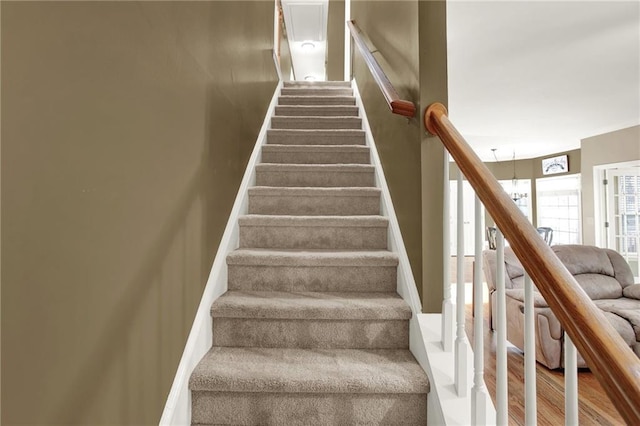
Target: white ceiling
(536, 77)
(530, 77)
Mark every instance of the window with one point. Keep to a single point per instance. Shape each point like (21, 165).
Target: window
(558, 207)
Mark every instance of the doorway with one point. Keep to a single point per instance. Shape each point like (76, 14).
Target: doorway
(620, 199)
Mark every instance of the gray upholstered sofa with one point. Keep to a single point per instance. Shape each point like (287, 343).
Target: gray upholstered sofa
(603, 274)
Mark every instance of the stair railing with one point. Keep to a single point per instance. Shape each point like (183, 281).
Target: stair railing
(610, 359)
(396, 104)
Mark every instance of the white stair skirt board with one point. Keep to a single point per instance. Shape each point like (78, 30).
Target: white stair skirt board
(177, 410)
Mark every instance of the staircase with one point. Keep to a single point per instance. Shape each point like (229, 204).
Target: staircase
(311, 330)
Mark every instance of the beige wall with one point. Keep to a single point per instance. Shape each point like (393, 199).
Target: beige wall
(126, 128)
(433, 88)
(392, 28)
(409, 40)
(609, 148)
(335, 41)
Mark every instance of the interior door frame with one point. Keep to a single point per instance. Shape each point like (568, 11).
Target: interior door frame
(604, 201)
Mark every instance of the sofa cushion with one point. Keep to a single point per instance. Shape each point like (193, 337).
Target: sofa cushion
(622, 271)
(579, 259)
(632, 291)
(599, 286)
(513, 265)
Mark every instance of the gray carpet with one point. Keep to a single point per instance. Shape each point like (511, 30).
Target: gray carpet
(311, 330)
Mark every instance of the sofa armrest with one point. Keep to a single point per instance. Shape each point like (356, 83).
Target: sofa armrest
(489, 268)
(518, 294)
(632, 291)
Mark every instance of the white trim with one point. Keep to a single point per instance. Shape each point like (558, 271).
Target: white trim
(347, 41)
(599, 208)
(445, 407)
(177, 410)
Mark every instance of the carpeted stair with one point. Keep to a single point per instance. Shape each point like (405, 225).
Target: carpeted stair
(311, 330)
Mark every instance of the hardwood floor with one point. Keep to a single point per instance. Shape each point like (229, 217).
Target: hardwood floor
(595, 407)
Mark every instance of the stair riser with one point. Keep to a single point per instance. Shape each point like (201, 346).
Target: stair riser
(313, 237)
(331, 179)
(317, 91)
(316, 100)
(295, 111)
(316, 123)
(314, 206)
(312, 278)
(311, 138)
(310, 334)
(315, 157)
(308, 409)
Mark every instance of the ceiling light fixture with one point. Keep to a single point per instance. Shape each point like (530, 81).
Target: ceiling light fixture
(515, 195)
(307, 46)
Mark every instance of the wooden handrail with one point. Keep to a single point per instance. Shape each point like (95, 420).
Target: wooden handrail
(397, 105)
(608, 356)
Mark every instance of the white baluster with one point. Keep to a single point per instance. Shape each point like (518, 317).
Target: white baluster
(502, 389)
(447, 303)
(460, 374)
(570, 382)
(479, 390)
(530, 402)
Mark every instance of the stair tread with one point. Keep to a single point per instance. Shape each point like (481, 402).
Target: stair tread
(369, 221)
(318, 117)
(314, 148)
(322, 84)
(335, 120)
(313, 122)
(349, 108)
(316, 137)
(318, 98)
(350, 97)
(318, 87)
(311, 305)
(317, 109)
(321, 132)
(309, 371)
(314, 191)
(327, 90)
(270, 257)
(315, 167)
